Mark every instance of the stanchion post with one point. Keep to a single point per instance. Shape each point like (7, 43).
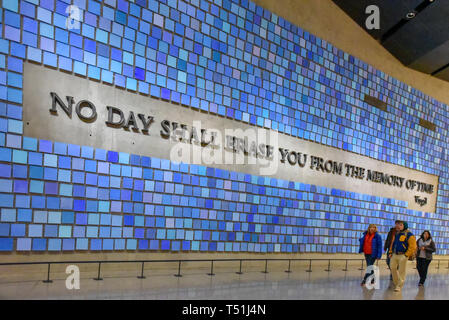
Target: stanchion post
(211, 269)
(99, 270)
(346, 266)
(361, 268)
(328, 266)
(48, 276)
(141, 273)
(310, 266)
(266, 266)
(179, 269)
(240, 270)
(288, 270)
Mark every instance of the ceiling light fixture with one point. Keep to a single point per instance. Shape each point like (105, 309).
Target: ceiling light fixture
(410, 15)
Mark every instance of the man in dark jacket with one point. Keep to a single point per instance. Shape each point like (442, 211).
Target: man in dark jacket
(388, 241)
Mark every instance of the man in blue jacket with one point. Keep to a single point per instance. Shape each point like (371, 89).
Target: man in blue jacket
(402, 249)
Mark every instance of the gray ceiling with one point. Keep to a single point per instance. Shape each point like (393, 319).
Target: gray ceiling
(421, 43)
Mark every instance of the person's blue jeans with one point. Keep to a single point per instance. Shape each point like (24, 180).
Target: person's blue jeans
(370, 260)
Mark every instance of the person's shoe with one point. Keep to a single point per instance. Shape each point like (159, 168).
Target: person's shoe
(362, 283)
(397, 289)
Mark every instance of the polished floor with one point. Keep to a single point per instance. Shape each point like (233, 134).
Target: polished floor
(227, 285)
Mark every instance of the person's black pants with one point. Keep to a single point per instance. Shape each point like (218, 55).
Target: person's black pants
(422, 265)
(388, 264)
(370, 260)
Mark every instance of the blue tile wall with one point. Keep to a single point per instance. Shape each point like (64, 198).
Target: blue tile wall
(228, 58)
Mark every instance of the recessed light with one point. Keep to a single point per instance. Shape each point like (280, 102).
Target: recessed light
(410, 15)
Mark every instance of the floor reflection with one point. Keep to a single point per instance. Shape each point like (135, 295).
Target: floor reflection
(230, 286)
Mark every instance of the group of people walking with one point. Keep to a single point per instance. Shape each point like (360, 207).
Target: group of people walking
(400, 247)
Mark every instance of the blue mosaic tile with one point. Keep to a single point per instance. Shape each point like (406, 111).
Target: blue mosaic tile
(262, 72)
